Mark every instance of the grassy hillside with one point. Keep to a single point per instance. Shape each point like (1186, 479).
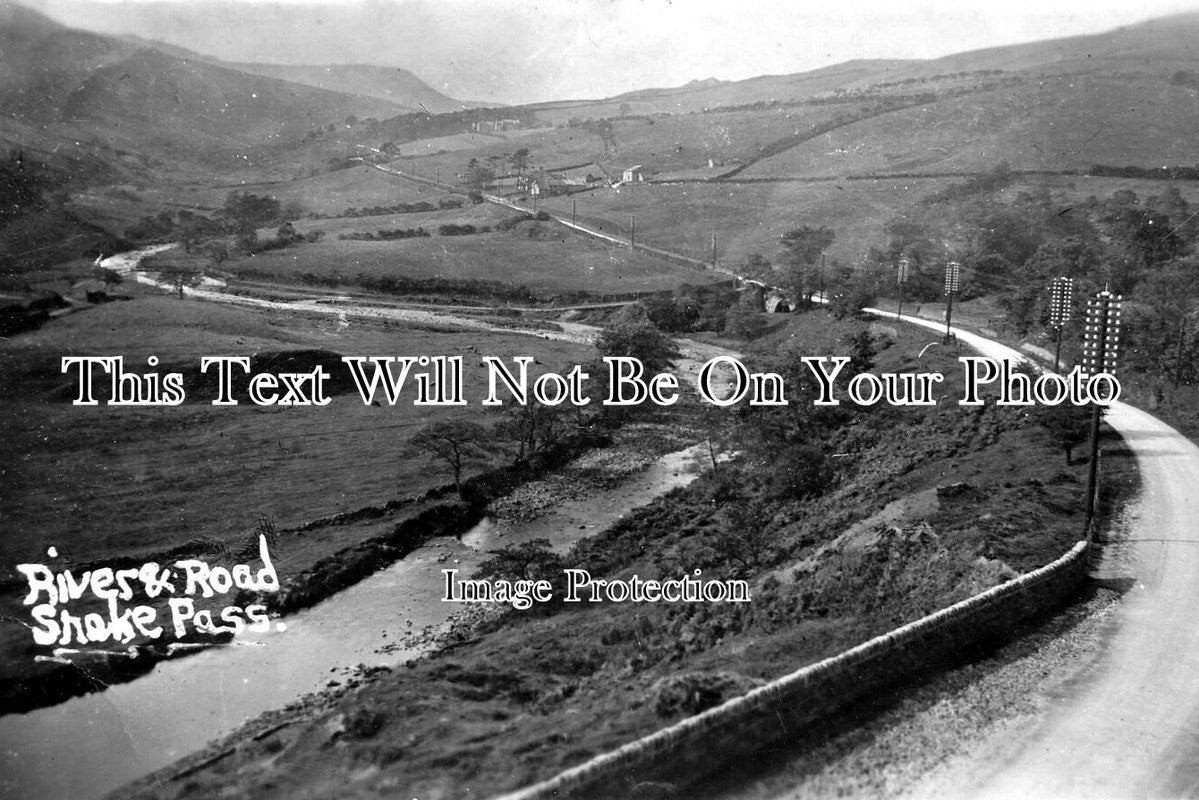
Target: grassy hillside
(392, 84)
(1050, 122)
(705, 94)
(127, 93)
(749, 218)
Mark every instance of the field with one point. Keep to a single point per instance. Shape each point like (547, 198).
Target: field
(689, 140)
(480, 214)
(71, 471)
(549, 147)
(546, 258)
(326, 193)
(119, 484)
(1057, 122)
(749, 218)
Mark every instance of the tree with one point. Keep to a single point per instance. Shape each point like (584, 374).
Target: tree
(745, 541)
(247, 212)
(109, 276)
(533, 560)
(852, 290)
(455, 443)
(675, 314)
(1067, 424)
(247, 241)
(631, 334)
(520, 160)
(532, 427)
(178, 277)
(745, 318)
(187, 233)
(802, 249)
(799, 473)
(286, 234)
(758, 267)
(218, 252)
(477, 176)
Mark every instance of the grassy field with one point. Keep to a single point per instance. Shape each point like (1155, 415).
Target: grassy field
(1058, 122)
(689, 140)
(749, 218)
(549, 148)
(543, 257)
(479, 215)
(327, 192)
(105, 481)
(128, 484)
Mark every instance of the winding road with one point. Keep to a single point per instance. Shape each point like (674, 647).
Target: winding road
(1130, 729)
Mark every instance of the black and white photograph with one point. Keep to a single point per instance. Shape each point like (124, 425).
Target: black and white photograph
(599, 399)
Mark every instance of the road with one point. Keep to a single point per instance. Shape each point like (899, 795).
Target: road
(1130, 729)
(694, 263)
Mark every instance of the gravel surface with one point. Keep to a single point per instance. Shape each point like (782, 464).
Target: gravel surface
(925, 739)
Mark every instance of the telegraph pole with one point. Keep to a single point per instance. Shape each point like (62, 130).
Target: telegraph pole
(632, 230)
(952, 274)
(1182, 340)
(1101, 345)
(901, 277)
(822, 277)
(713, 251)
(1061, 299)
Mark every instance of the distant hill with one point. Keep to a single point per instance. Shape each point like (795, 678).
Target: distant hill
(711, 93)
(1129, 97)
(393, 84)
(55, 78)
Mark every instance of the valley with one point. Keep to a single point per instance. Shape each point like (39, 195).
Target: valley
(164, 205)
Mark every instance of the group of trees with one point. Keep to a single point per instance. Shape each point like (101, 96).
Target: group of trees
(479, 176)
(242, 215)
(1142, 248)
(525, 431)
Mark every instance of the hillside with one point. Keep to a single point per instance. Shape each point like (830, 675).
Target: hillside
(391, 84)
(704, 94)
(65, 81)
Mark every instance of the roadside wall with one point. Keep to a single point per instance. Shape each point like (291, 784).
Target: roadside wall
(766, 714)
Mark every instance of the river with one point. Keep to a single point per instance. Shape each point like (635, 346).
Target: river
(93, 744)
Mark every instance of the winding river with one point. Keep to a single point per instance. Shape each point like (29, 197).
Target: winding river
(93, 744)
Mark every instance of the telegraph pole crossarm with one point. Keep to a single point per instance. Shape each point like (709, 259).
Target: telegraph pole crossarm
(1101, 346)
(953, 271)
(901, 278)
(1061, 298)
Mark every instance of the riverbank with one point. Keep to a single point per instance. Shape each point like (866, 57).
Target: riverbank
(925, 509)
(392, 616)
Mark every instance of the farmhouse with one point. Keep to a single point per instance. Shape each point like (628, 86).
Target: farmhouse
(494, 125)
(636, 174)
(548, 183)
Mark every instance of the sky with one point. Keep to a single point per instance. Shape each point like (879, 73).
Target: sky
(516, 51)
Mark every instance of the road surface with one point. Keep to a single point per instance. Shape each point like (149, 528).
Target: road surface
(1131, 729)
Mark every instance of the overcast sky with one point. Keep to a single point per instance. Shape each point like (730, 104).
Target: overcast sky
(515, 51)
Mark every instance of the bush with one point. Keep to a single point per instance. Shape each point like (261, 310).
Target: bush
(694, 692)
(450, 229)
(364, 723)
